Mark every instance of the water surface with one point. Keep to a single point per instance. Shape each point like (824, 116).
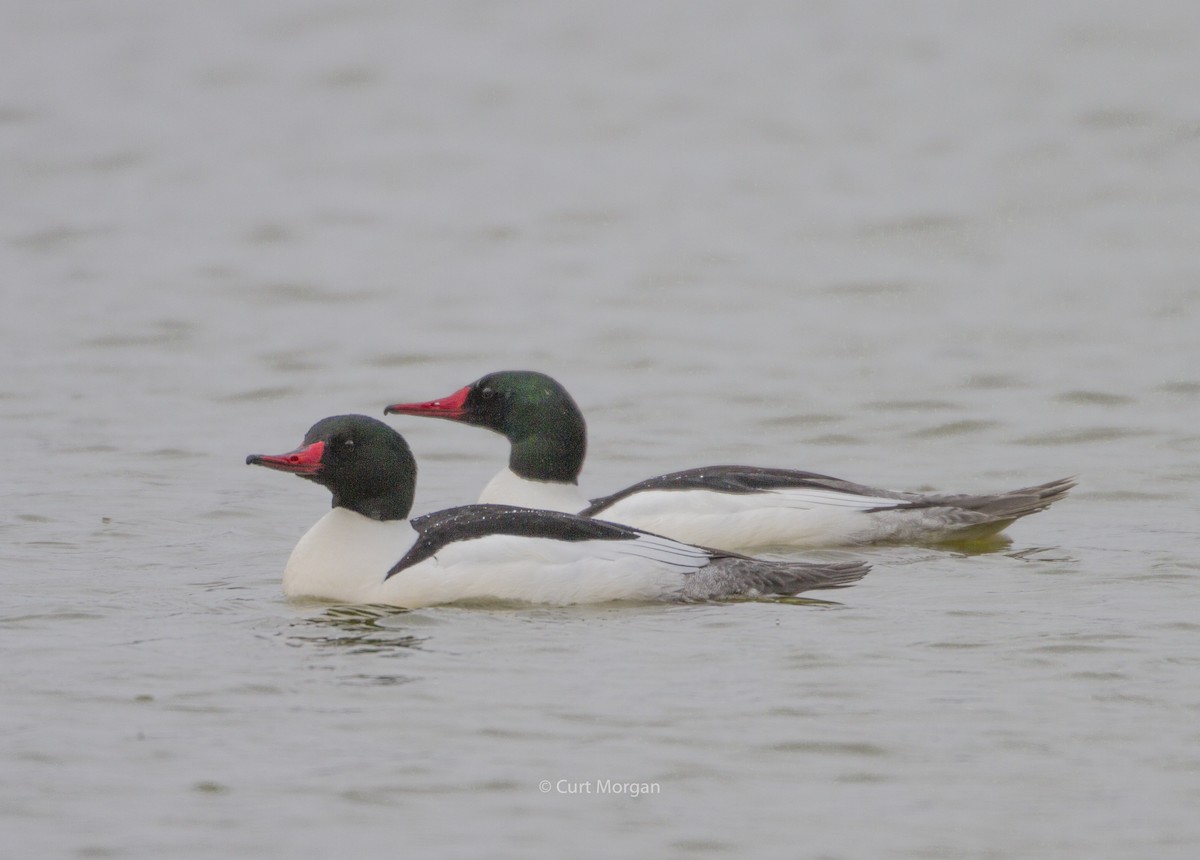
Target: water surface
(910, 246)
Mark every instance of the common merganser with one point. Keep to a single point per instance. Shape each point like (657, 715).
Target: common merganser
(366, 550)
(731, 507)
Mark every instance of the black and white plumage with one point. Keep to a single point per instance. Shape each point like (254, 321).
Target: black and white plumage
(733, 507)
(365, 550)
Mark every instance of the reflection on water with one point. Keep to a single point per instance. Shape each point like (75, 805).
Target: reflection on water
(791, 600)
(1054, 554)
(367, 629)
(888, 556)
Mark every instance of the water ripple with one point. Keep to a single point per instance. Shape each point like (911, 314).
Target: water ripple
(1095, 398)
(1081, 436)
(853, 748)
(953, 428)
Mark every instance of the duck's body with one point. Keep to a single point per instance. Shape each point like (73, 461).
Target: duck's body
(740, 506)
(731, 507)
(365, 550)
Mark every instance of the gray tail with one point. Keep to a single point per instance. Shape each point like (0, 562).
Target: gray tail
(1015, 503)
(967, 517)
(733, 576)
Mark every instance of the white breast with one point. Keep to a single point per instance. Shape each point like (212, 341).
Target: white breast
(508, 488)
(345, 557)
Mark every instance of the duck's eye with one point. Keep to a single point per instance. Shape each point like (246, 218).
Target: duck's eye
(347, 444)
(487, 393)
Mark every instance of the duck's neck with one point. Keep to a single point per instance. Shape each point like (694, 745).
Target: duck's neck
(383, 493)
(387, 506)
(556, 456)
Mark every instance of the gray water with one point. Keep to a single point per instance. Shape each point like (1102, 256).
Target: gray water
(919, 245)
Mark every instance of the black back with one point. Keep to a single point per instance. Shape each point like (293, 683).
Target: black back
(739, 480)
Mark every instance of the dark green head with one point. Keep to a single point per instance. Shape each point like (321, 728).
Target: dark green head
(365, 464)
(534, 412)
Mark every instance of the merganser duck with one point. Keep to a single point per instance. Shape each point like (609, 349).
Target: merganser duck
(731, 507)
(366, 550)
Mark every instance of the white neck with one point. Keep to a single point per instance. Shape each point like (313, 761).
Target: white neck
(345, 557)
(508, 488)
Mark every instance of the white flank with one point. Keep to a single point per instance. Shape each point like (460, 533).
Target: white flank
(543, 570)
(799, 517)
(345, 557)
